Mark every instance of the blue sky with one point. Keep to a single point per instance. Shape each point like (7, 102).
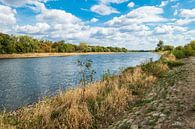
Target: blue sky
(134, 24)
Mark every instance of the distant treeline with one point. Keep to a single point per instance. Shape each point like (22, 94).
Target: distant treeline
(25, 44)
(179, 51)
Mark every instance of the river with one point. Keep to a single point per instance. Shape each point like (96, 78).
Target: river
(24, 81)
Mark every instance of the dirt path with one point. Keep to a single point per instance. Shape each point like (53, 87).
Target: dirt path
(189, 116)
(169, 104)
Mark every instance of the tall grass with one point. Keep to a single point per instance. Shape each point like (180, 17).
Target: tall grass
(102, 103)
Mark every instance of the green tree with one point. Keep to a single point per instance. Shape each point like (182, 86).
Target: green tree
(188, 50)
(192, 44)
(83, 47)
(179, 48)
(168, 48)
(160, 46)
(26, 44)
(4, 41)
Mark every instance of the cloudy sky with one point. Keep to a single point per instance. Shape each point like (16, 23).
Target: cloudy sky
(134, 24)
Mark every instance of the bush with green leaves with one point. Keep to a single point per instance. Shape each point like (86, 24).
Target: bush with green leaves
(173, 64)
(179, 54)
(157, 69)
(186, 51)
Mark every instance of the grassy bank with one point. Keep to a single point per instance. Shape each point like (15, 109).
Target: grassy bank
(37, 55)
(95, 106)
(179, 52)
(167, 104)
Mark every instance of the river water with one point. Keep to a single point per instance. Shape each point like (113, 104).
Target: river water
(24, 81)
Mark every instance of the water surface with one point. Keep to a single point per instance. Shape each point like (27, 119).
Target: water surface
(24, 81)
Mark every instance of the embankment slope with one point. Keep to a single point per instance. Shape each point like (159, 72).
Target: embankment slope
(169, 104)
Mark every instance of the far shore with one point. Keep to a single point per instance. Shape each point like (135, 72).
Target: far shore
(38, 55)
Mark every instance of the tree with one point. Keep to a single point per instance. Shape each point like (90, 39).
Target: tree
(179, 48)
(188, 50)
(26, 44)
(160, 46)
(168, 48)
(83, 47)
(4, 41)
(192, 44)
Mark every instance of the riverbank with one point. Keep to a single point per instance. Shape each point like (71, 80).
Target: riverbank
(168, 104)
(119, 101)
(39, 55)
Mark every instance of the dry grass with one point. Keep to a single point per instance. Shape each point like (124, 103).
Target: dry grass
(168, 57)
(157, 69)
(90, 107)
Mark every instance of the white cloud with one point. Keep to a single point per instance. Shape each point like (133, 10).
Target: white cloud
(175, 12)
(7, 18)
(184, 21)
(188, 13)
(57, 16)
(18, 3)
(63, 25)
(94, 20)
(131, 4)
(164, 3)
(187, 16)
(15, 3)
(168, 29)
(113, 1)
(39, 28)
(173, 0)
(35, 5)
(143, 14)
(103, 9)
(7, 15)
(176, 5)
(134, 27)
(163, 29)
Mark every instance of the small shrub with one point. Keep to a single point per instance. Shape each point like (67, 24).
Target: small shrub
(117, 101)
(10, 119)
(168, 57)
(5, 123)
(172, 64)
(78, 117)
(107, 75)
(179, 54)
(157, 69)
(188, 50)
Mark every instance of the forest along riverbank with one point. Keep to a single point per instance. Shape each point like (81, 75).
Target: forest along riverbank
(37, 55)
(94, 106)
